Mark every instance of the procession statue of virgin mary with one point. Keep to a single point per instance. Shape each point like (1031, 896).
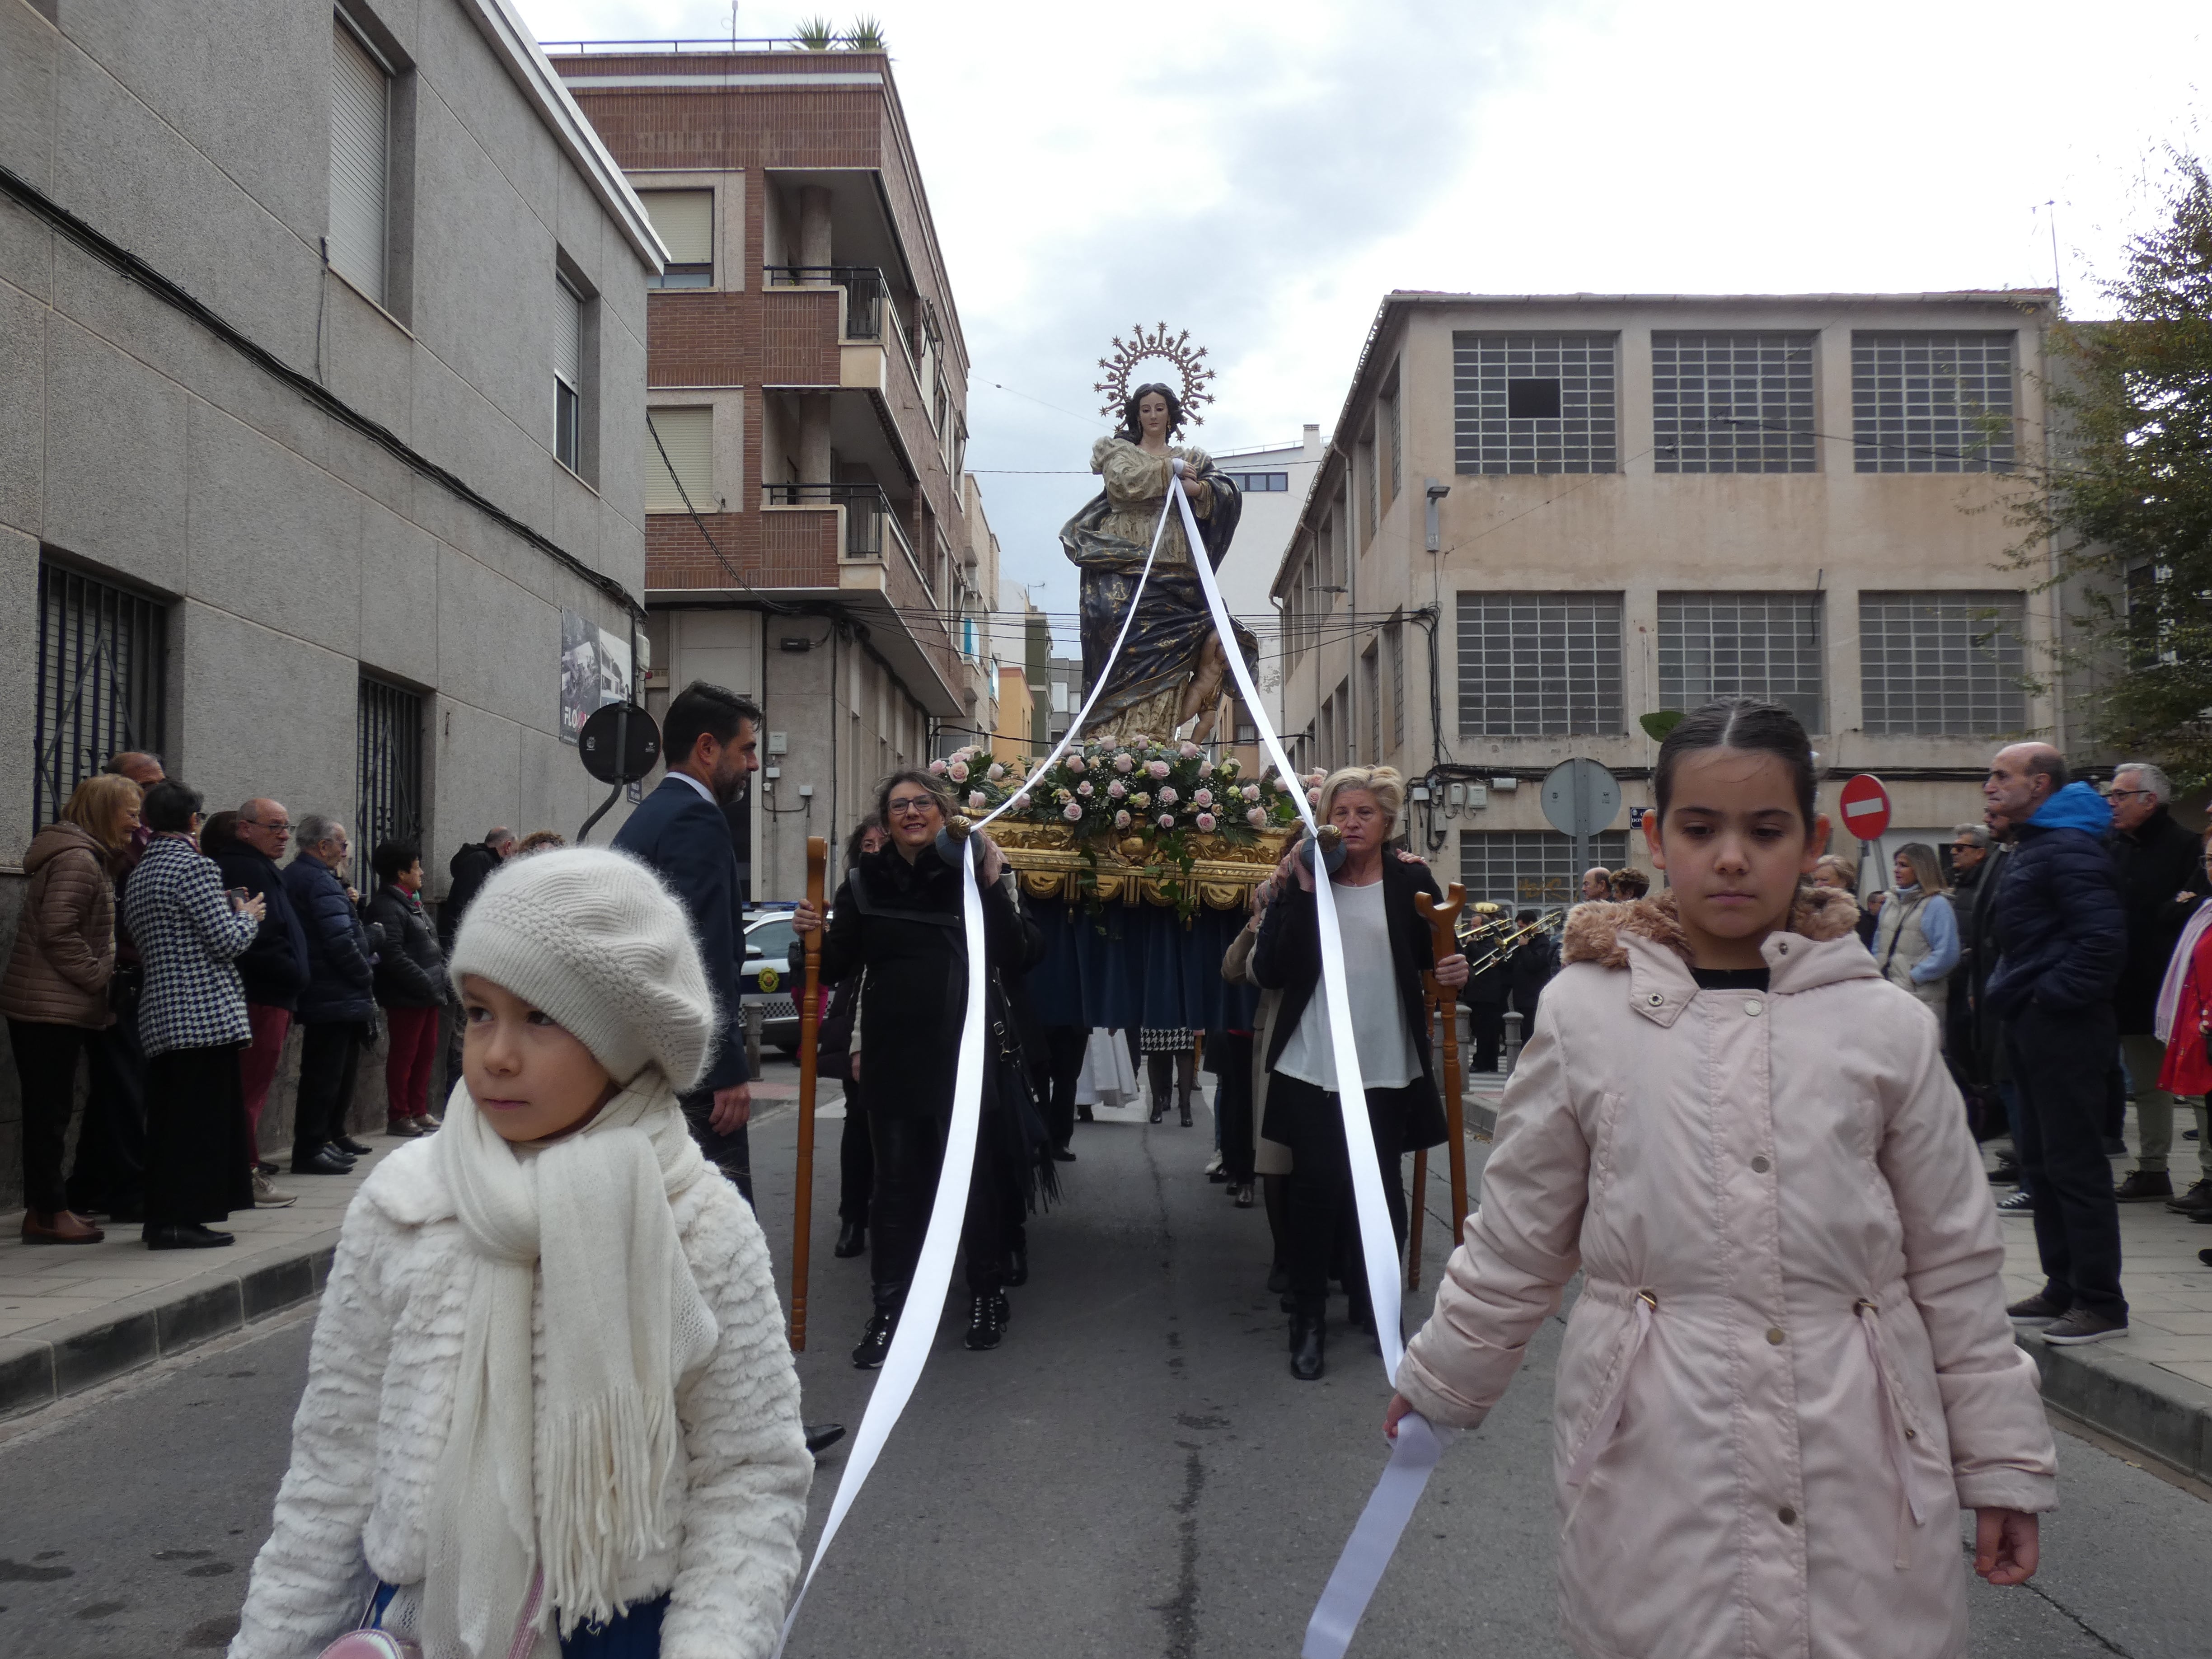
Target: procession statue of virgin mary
(1167, 682)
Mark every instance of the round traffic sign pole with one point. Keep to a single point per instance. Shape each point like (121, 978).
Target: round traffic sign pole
(1581, 799)
(1865, 806)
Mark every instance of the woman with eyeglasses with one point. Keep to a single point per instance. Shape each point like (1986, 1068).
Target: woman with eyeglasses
(898, 920)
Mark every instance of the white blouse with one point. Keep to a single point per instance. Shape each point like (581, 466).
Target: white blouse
(1387, 1060)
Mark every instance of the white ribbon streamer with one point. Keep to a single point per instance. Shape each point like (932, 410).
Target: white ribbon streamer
(1413, 1455)
(932, 1275)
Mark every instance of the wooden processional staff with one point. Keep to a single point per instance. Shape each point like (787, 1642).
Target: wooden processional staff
(810, 1021)
(1443, 1007)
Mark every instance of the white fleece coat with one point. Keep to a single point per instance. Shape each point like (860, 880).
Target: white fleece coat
(1789, 1367)
(381, 1382)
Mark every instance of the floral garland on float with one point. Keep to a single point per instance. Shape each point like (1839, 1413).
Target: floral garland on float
(1134, 820)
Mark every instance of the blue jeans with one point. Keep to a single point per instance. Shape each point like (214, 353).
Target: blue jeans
(634, 1634)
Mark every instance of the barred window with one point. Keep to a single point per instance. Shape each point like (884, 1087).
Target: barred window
(1370, 691)
(103, 654)
(1533, 403)
(1751, 645)
(1539, 665)
(1394, 435)
(1394, 642)
(1948, 664)
(1732, 403)
(1531, 869)
(390, 782)
(1931, 402)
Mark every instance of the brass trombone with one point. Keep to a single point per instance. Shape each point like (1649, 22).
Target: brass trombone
(1489, 930)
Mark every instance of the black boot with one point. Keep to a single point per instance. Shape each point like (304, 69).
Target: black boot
(1185, 1104)
(1306, 1327)
(876, 1340)
(851, 1238)
(1159, 1106)
(1017, 1266)
(987, 1321)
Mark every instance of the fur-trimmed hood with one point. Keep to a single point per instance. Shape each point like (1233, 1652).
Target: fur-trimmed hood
(1645, 936)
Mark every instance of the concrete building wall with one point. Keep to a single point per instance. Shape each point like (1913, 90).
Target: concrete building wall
(291, 552)
(1639, 533)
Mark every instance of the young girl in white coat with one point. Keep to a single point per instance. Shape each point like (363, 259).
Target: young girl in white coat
(1789, 1367)
(550, 1406)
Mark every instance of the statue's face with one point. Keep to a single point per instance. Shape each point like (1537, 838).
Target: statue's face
(1152, 414)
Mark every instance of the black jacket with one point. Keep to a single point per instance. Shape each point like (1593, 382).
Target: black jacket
(1286, 957)
(1530, 968)
(2060, 933)
(411, 969)
(2152, 862)
(686, 840)
(274, 968)
(900, 923)
(339, 977)
(469, 868)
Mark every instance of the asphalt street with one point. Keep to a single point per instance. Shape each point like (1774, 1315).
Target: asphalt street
(1134, 1472)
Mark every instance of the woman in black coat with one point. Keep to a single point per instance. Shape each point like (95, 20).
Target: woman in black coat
(833, 1051)
(897, 919)
(1387, 949)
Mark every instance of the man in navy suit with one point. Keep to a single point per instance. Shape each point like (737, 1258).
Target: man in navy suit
(710, 739)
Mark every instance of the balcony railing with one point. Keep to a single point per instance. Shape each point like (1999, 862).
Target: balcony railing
(867, 511)
(864, 293)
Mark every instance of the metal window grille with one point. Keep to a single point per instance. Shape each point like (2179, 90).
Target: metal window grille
(103, 654)
(1943, 664)
(1393, 639)
(1932, 403)
(1732, 403)
(388, 804)
(1576, 370)
(1371, 691)
(1372, 466)
(1531, 869)
(1539, 665)
(1751, 645)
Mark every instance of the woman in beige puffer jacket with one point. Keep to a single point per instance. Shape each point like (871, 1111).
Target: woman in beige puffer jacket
(54, 993)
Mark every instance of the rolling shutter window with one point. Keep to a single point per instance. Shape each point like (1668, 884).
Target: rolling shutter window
(568, 334)
(685, 222)
(360, 122)
(688, 435)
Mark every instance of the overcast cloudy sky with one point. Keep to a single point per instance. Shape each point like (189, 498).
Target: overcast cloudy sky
(1262, 174)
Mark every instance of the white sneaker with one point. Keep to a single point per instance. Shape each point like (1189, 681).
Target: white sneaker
(266, 1197)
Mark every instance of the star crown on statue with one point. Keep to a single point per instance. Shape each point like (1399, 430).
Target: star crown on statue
(1156, 345)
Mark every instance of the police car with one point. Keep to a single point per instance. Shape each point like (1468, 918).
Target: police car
(764, 978)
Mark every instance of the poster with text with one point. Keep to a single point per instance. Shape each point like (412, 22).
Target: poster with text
(594, 671)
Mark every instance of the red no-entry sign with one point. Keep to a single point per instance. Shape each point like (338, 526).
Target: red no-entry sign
(1866, 807)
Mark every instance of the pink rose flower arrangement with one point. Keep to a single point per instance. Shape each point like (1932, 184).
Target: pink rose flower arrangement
(1084, 789)
(977, 800)
(1120, 820)
(1156, 769)
(1167, 796)
(1075, 764)
(996, 772)
(958, 771)
(1188, 749)
(937, 767)
(1123, 763)
(1203, 798)
(1255, 817)
(1022, 802)
(1141, 800)
(1072, 812)
(1167, 820)
(1251, 792)
(1117, 789)
(1314, 796)
(1205, 823)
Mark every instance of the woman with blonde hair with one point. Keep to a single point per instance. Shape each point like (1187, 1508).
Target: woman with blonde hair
(1386, 950)
(1916, 942)
(1840, 871)
(55, 991)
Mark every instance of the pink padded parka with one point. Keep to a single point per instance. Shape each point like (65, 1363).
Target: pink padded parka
(1789, 1368)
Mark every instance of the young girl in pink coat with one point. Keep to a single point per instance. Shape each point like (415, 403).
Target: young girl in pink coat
(1789, 1368)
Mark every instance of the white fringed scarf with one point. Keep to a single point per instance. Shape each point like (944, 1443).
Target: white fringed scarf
(571, 1485)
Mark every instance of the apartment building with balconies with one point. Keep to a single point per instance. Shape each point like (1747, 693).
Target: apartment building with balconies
(807, 532)
(1543, 517)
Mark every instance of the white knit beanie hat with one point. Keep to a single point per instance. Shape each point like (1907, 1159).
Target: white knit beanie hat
(593, 939)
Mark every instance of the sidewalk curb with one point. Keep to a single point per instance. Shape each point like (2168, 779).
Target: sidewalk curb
(2136, 1402)
(67, 1356)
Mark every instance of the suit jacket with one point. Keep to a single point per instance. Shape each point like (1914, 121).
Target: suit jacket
(686, 840)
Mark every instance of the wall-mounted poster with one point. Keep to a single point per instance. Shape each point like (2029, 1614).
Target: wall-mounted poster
(594, 671)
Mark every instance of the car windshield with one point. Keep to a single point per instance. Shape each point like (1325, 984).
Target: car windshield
(771, 940)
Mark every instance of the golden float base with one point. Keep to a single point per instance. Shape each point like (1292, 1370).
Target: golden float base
(1050, 863)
